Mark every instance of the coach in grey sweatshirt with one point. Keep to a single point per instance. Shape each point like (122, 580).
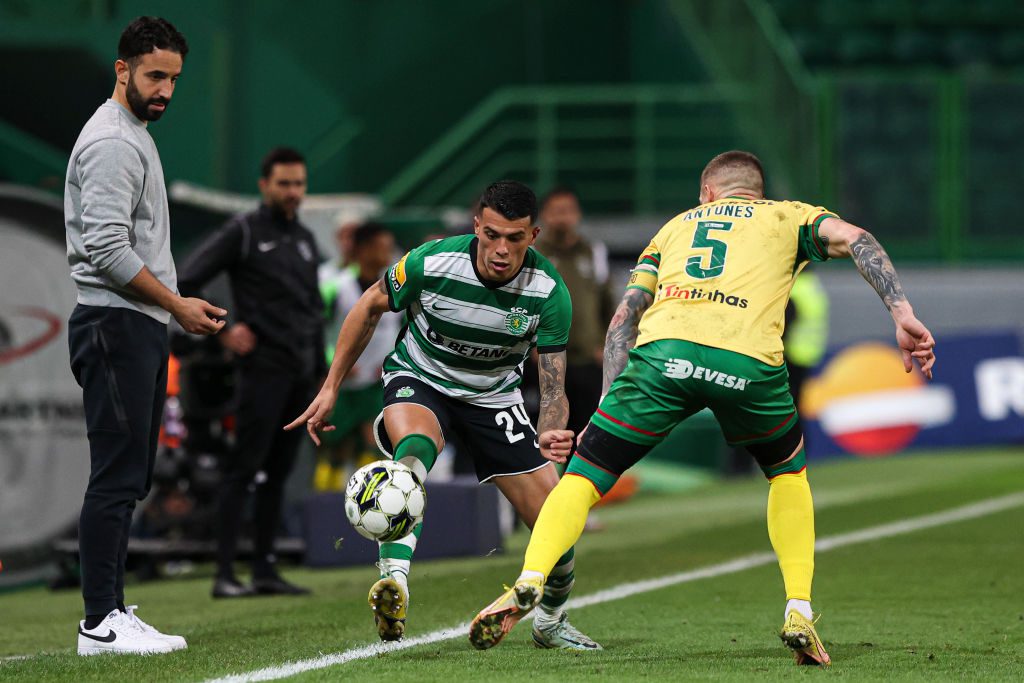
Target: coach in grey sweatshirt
(118, 233)
(115, 208)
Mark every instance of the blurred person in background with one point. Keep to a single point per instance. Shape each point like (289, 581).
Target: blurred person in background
(361, 397)
(118, 235)
(583, 265)
(806, 335)
(277, 336)
(344, 243)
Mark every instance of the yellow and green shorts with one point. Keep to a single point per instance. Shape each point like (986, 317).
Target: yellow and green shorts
(667, 381)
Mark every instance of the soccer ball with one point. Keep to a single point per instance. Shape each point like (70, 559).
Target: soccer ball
(384, 501)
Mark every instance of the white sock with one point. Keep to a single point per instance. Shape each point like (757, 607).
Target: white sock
(548, 615)
(398, 570)
(416, 465)
(530, 575)
(801, 606)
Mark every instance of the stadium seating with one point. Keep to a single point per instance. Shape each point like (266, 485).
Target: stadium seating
(844, 33)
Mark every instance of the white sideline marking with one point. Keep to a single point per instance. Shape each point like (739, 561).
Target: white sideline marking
(906, 526)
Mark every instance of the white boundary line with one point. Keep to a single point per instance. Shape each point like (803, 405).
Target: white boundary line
(906, 526)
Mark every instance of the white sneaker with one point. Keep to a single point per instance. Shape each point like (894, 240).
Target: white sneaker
(118, 634)
(176, 642)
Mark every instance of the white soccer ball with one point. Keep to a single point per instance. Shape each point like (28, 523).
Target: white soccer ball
(384, 501)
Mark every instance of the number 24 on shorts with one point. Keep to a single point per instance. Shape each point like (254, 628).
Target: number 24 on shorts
(504, 419)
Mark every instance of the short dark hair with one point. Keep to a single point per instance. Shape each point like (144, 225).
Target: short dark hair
(146, 34)
(366, 232)
(559, 191)
(511, 198)
(279, 155)
(737, 166)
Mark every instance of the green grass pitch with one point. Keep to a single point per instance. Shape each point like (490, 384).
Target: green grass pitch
(940, 603)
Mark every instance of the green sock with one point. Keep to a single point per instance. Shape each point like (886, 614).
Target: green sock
(397, 555)
(418, 453)
(559, 585)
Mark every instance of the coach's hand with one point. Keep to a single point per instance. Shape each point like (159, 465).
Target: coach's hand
(315, 416)
(197, 316)
(556, 444)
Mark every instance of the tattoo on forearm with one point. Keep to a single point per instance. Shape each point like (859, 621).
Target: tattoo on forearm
(622, 333)
(382, 286)
(554, 406)
(874, 265)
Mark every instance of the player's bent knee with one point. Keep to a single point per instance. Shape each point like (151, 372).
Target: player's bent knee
(602, 457)
(783, 455)
(404, 419)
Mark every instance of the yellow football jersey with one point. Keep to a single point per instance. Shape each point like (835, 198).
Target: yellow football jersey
(721, 273)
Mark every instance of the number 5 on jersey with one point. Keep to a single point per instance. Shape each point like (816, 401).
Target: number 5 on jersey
(716, 261)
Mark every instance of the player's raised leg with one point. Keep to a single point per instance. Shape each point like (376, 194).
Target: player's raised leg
(416, 433)
(559, 525)
(551, 627)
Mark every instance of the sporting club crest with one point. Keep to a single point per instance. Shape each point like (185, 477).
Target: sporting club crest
(517, 322)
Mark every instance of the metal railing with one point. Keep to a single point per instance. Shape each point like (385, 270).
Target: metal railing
(741, 41)
(616, 143)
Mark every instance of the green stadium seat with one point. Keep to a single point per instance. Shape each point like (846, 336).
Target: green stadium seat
(862, 47)
(917, 46)
(967, 47)
(1009, 48)
(838, 33)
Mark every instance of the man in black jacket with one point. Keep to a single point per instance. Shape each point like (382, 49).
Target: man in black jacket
(271, 260)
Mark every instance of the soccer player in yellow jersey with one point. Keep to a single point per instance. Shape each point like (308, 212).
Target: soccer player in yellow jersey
(700, 325)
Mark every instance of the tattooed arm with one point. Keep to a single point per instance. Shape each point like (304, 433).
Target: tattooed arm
(554, 406)
(622, 333)
(847, 240)
(555, 440)
(355, 334)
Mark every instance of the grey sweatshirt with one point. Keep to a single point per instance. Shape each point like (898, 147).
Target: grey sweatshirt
(115, 212)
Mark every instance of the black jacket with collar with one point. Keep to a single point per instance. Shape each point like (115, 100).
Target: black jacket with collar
(271, 263)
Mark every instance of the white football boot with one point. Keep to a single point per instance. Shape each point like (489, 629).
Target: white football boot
(177, 642)
(118, 634)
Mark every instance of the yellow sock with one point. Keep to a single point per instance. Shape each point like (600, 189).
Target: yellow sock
(791, 529)
(560, 523)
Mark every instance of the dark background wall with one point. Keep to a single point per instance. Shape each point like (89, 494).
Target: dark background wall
(360, 86)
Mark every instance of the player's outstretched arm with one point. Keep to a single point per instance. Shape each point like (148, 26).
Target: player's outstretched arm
(555, 440)
(847, 240)
(355, 334)
(622, 333)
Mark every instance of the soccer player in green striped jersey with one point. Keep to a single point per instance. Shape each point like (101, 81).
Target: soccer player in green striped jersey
(477, 304)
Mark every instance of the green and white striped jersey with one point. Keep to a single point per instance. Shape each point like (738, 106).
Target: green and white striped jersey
(467, 337)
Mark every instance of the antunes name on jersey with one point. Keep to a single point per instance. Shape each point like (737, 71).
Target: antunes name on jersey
(734, 259)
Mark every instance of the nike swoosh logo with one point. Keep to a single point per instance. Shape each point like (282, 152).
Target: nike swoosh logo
(265, 246)
(439, 308)
(109, 638)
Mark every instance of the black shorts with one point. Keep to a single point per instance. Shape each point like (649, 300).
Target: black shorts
(501, 441)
